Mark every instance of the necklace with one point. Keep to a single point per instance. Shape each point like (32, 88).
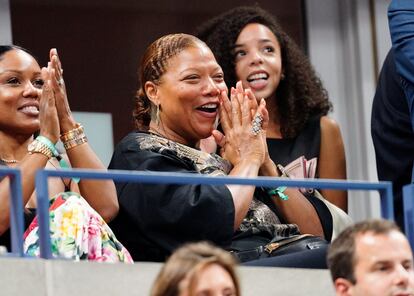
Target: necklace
(8, 160)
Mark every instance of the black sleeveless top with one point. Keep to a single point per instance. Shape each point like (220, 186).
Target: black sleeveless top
(307, 143)
(29, 215)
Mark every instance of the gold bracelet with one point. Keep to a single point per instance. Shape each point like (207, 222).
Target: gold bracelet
(75, 142)
(75, 133)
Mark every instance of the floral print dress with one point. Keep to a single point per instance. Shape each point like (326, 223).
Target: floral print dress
(77, 232)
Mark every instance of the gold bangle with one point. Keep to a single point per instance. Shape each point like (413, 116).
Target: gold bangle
(75, 142)
(77, 132)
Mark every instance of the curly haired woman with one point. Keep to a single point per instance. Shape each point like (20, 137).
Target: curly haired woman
(251, 46)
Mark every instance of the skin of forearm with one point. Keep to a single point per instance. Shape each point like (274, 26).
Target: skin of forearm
(243, 194)
(298, 210)
(100, 194)
(337, 197)
(269, 169)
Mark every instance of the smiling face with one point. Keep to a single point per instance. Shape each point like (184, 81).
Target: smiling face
(188, 95)
(258, 60)
(384, 265)
(20, 85)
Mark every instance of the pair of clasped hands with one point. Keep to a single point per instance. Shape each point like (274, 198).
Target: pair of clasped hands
(244, 124)
(54, 112)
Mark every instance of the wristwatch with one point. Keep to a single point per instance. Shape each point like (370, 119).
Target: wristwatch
(38, 147)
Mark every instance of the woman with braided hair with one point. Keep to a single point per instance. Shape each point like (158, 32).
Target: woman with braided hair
(182, 92)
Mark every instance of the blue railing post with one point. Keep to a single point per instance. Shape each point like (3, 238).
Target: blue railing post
(16, 210)
(408, 206)
(387, 201)
(42, 194)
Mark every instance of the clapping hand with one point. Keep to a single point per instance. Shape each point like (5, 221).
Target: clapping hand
(244, 124)
(66, 119)
(49, 122)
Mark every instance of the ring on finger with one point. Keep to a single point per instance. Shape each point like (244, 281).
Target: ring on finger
(61, 81)
(257, 124)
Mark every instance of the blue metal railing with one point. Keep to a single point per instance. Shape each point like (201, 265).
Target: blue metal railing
(16, 209)
(385, 189)
(408, 206)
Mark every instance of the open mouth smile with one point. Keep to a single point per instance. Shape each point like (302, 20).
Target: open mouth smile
(257, 76)
(209, 108)
(32, 110)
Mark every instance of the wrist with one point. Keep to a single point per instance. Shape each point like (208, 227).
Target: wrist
(278, 192)
(269, 168)
(67, 125)
(51, 138)
(253, 163)
(74, 137)
(45, 146)
(42, 145)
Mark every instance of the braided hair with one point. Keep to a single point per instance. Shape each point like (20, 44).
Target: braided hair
(153, 65)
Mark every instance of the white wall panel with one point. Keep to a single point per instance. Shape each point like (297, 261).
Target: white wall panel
(5, 23)
(341, 47)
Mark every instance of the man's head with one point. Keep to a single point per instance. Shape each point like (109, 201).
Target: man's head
(372, 258)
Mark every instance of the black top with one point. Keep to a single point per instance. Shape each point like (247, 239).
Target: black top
(154, 219)
(392, 133)
(29, 215)
(307, 143)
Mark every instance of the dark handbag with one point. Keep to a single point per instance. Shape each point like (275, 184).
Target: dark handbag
(288, 245)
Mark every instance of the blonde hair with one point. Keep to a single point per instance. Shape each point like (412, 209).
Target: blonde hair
(187, 262)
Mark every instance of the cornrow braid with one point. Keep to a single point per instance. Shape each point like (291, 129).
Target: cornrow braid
(153, 65)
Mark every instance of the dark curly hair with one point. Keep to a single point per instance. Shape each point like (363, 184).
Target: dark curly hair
(153, 65)
(300, 96)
